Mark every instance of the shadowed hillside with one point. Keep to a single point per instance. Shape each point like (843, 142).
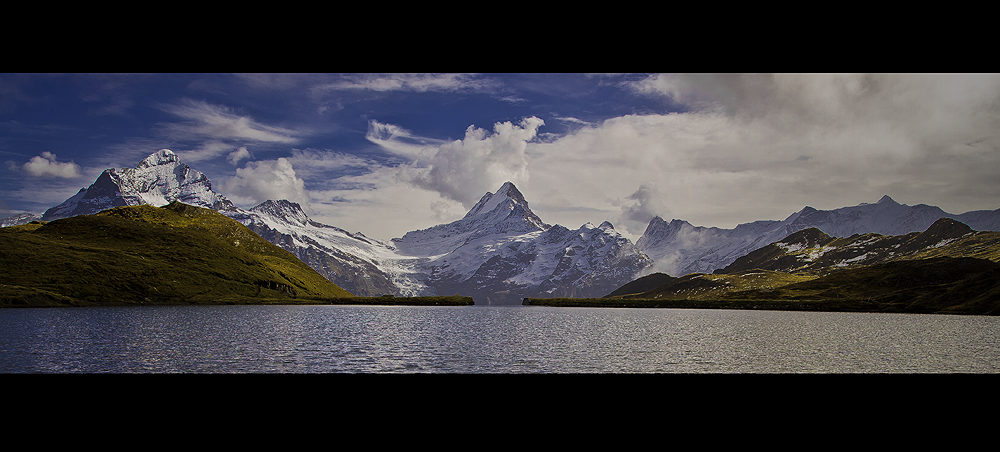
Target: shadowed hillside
(144, 254)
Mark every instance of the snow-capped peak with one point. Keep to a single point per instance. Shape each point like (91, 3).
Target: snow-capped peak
(161, 157)
(490, 201)
(886, 200)
(157, 180)
(284, 210)
(504, 213)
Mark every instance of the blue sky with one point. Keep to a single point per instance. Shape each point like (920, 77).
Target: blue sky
(384, 154)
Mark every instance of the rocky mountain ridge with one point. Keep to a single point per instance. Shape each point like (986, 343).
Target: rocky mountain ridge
(949, 268)
(679, 248)
(813, 251)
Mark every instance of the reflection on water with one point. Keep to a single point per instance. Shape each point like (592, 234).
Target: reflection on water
(489, 339)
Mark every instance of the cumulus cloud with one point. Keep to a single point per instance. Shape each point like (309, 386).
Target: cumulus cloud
(699, 92)
(239, 154)
(463, 170)
(377, 204)
(442, 211)
(46, 165)
(262, 180)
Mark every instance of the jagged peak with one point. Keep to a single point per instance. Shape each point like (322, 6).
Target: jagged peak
(490, 201)
(658, 226)
(606, 225)
(161, 157)
(886, 200)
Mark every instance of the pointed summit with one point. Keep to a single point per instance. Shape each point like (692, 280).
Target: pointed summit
(161, 157)
(505, 212)
(490, 201)
(886, 200)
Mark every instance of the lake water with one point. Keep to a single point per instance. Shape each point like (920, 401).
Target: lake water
(488, 339)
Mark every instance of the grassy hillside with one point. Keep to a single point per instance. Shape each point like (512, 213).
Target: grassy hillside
(144, 254)
(643, 284)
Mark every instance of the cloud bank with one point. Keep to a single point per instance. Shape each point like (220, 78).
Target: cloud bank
(764, 146)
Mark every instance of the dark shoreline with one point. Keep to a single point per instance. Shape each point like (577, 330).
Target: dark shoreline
(824, 305)
(66, 302)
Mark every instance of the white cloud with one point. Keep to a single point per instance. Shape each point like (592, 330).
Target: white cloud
(410, 82)
(379, 205)
(239, 154)
(214, 122)
(464, 170)
(750, 147)
(46, 165)
(400, 141)
(642, 206)
(764, 146)
(266, 179)
(702, 92)
(206, 150)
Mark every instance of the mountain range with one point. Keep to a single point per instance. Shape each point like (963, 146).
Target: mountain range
(500, 252)
(949, 268)
(679, 248)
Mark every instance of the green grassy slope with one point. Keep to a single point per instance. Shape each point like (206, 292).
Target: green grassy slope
(144, 254)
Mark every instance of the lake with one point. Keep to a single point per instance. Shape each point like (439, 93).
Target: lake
(488, 339)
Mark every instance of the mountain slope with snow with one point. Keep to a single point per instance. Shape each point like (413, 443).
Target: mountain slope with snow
(501, 252)
(157, 180)
(361, 265)
(680, 248)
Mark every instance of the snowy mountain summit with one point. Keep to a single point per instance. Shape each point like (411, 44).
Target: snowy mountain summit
(158, 180)
(501, 252)
(502, 214)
